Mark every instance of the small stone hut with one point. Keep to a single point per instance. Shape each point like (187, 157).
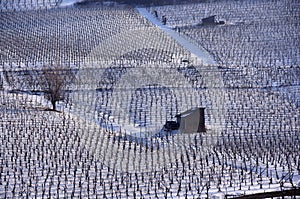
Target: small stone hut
(191, 121)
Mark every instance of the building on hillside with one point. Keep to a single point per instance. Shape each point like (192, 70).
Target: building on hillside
(211, 20)
(191, 121)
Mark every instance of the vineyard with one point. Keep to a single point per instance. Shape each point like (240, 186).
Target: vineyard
(85, 91)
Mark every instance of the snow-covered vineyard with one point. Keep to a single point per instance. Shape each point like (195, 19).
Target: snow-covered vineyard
(127, 75)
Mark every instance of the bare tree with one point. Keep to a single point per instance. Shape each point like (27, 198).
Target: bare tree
(54, 80)
(1, 81)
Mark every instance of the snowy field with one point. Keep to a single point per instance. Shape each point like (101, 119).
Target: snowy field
(25, 5)
(132, 75)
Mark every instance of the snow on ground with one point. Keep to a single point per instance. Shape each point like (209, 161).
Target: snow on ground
(66, 3)
(76, 153)
(201, 53)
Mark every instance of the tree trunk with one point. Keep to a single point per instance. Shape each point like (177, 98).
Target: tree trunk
(53, 105)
